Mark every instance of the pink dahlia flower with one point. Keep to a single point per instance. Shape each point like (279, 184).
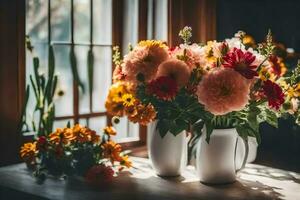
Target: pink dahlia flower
(175, 69)
(223, 91)
(143, 60)
(190, 54)
(118, 74)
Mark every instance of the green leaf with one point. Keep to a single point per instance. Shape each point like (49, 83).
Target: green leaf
(209, 129)
(34, 87)
(54, 87)
(90, 64)
(73, 62)
(51, 63)
(69, 124)
(163, 127)
(51, 69)
(271, 118)
(36, 64)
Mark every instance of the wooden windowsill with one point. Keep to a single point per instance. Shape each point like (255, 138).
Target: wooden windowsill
(141, 182)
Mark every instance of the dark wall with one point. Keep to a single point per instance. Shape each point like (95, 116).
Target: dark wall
(255, 17)
(11, 85)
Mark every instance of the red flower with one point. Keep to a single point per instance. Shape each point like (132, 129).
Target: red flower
(42, 143)
(241, 62)
(274, 94)
(99, 175)
(163, 87)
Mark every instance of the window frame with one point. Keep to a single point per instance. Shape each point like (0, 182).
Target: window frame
(117, 38)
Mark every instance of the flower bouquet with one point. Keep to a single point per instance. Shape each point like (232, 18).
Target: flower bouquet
(204, 89)
(76, 151)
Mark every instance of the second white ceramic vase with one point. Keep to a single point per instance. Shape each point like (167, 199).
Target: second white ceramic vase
(167, 154)
(216, 160)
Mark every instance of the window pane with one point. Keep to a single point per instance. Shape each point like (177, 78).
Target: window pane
(37, 20)
(64, 105)
(161, 20)
(102, 77)
(62, 123)
(60, 20)
(82, 20)
(81, 55)
(130, 23)
(133, 130)
(122, 128)
(97, 123)
(102, 22)
(83, 122)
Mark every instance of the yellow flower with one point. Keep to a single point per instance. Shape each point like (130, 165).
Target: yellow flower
(151, 43)
(126, 162)
(209, 52)
(109, 130)
(128, 100)
(264, 74)
(249, 41)
(114, 102)
(28, 152)
(294, 92)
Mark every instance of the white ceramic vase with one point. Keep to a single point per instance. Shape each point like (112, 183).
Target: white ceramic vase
(168, 155)
(216, 160)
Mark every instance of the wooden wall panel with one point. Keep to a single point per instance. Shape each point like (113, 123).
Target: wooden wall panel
(12, 59)
(199, 14)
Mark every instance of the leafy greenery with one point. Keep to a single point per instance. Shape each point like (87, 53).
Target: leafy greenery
(44, 88)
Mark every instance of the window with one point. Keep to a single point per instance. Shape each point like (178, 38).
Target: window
(86, 28)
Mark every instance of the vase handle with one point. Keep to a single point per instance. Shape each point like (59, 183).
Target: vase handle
(246, 144)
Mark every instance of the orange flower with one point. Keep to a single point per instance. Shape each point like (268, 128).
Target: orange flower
(68, 136)
(95, 138)
(278, 67)
(143, 114)
(126, 162)
(28, 152)
(55, 137)
(83, 136)
(109, 130)
(112, 150)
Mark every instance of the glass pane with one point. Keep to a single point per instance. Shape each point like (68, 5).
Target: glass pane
(83, 122)
(81, 55)
(60, 20)
(64, 104)
(122, 128)
(102, 17)
(62, 123)
(97, 123)
(82, 20)
(161, 20)
(130, 23)
(150, 19)
(133, 130)
(37, 20)
(102, 77)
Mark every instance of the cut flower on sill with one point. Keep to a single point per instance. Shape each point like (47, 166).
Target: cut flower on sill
(76, 150)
